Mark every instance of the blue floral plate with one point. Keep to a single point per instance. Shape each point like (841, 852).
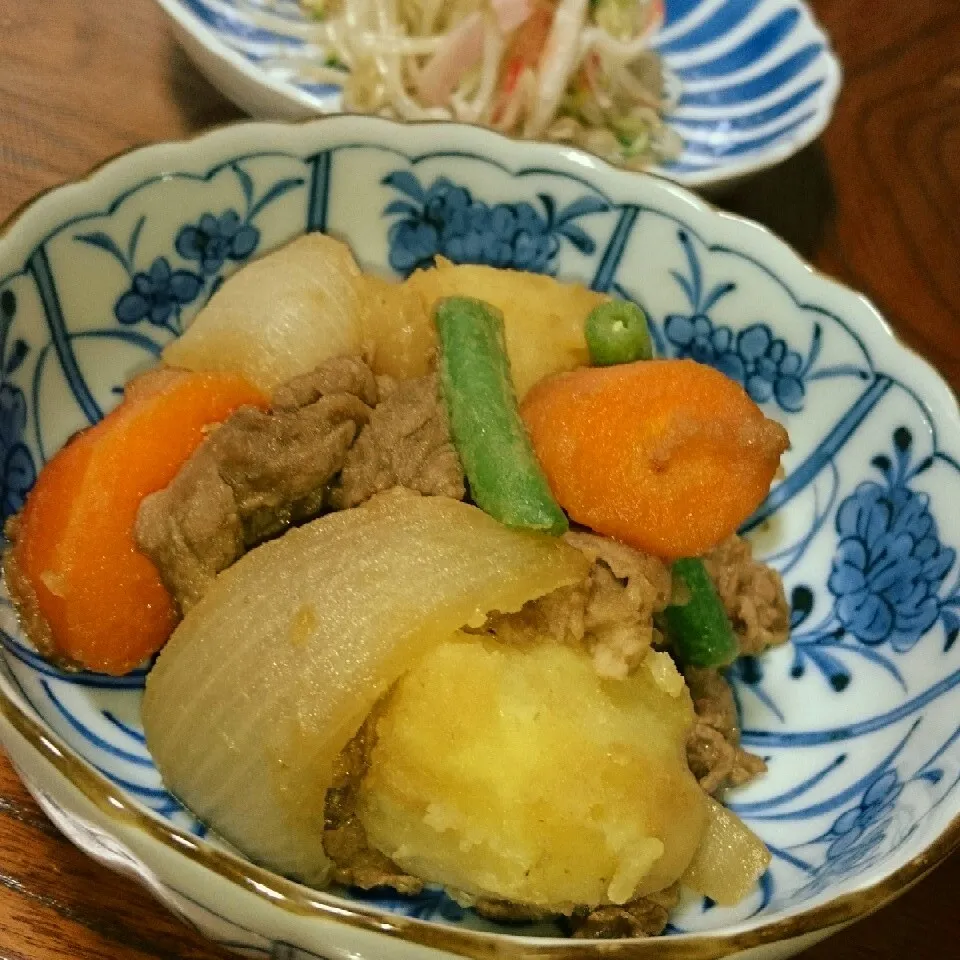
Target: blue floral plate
(857, 717)
(757, 79)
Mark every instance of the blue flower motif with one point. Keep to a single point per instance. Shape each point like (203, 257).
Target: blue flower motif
(16, 461)
(432, 903)
(158, 294)
(763, 364)
(213, 240)
(446, 220)
(890, 564)
(856, 833)
(17, 469)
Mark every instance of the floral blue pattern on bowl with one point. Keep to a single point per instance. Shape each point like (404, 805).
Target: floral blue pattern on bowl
(862, 526)
(756, 78)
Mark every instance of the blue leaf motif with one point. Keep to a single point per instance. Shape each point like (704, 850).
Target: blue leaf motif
(400, 207)
(717, 294)
(579, 238)
(951, 623)
(406, 183)
(693, 264)
(830, 667)
(686, 287)
(581, 207)
(246, 183)
(17, 355)
(134, 240)
(549, 206)
(105, 242)
(8, 308)
(274, 193)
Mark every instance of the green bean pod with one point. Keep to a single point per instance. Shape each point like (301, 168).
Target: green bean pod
(699, 628)
(617, 332)
(505, 479)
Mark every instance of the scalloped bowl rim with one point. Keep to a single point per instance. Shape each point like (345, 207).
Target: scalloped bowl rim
(35, 220)
(191, 25)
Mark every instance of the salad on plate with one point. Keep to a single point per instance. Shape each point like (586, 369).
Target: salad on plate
(572, 71)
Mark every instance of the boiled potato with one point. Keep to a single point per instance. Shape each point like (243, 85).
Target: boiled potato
(521, 774)
(543, 318)
(279, 316)
(398, 333)
(268, 677)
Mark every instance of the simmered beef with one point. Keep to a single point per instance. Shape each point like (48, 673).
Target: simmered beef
(355, 863)
(646, 917)
(713, 749)
(337, 376)
(259, 472)
(406, 443)
(253, 476)
(752, 594)
(610, 614)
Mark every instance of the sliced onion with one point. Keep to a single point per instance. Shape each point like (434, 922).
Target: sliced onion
(269, 676)
(279, 316)
(731, 858)
(461, 52)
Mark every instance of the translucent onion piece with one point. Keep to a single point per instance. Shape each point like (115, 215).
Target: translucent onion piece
(279, 316)
(731, 858)
(268, 677)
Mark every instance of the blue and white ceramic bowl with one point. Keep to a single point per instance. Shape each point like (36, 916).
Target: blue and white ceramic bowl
(757, 79)
(857, 716)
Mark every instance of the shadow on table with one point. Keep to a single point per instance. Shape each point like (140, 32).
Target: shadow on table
(201, 104)
(794, 199)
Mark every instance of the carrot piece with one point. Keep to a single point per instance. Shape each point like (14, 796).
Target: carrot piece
(87, 596)
(670, 456)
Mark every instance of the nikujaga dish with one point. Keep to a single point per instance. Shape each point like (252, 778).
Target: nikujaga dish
(442, 575)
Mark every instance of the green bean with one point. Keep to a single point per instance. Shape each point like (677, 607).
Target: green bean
(617, 332)
(505, 478)
(699, 628)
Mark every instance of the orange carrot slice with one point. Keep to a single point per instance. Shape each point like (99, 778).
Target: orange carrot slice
(670, 456)
(87, 596)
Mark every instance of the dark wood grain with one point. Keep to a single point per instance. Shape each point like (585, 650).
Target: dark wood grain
(874, 203)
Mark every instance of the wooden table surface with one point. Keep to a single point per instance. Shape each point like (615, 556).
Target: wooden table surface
(875, 203)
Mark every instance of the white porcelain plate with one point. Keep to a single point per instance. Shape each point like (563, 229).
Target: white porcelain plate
(757, 78)
(858, 717)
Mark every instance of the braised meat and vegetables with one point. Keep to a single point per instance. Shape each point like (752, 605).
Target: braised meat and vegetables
(443, 577)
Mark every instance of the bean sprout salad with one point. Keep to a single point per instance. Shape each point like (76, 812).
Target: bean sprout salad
(571, 71)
